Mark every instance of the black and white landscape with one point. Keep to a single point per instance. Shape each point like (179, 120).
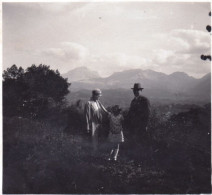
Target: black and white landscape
(55, 54)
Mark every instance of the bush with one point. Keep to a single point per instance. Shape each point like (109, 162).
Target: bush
(30, 93)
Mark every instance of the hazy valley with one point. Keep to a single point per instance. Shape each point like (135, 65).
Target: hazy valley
(177, 87)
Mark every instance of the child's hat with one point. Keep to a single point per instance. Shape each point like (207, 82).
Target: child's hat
(116, 108)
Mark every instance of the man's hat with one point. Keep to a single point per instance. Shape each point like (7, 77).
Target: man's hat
(97, 92)
(137, 86)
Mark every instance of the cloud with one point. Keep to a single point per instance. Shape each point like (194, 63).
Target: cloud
(162, 56)
(66, 56)
(71, 55)
(168, 62)
(106, 37)
(185, 41)
(181, 50)
(114, 62)
(74, 50)
(115, 10)
(68, 51)
(53, 7)
(49, 7)
(169, 58)
(197, 41)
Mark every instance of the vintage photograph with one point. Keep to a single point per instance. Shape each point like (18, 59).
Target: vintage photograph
(106, 97)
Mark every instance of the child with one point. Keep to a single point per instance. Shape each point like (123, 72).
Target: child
(116, 131)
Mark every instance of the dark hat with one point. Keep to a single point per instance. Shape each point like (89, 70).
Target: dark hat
(97, 92)
(137, 86)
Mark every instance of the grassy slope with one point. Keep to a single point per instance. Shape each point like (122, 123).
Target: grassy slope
(41, 158)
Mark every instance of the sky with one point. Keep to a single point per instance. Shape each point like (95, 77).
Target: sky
(108, 36)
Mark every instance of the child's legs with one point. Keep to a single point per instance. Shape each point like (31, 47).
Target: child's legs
(113, 147)
(116, 150)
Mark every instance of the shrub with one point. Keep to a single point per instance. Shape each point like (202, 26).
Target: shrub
(30, 93)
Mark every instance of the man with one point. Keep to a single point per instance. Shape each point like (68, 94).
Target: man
(139, 115)
(94, 111)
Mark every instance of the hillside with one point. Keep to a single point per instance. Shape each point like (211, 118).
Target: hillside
(53, 156)
(203, 87)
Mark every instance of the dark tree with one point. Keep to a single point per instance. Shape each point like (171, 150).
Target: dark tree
(13, 72)
(32, 92)
(46, 83)
(13, 90)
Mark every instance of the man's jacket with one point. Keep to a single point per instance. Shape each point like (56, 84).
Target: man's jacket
(139, 111)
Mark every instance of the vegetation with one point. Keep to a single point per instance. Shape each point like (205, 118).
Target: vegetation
(32, 92)
(50, 152)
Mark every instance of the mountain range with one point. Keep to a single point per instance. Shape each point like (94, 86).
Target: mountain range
(155, 84)
(80, 74)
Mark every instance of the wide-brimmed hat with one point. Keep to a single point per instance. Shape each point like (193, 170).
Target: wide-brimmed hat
(97, 92)
(137, 86)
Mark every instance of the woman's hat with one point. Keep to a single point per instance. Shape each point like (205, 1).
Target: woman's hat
(97, 92)
(137, 86)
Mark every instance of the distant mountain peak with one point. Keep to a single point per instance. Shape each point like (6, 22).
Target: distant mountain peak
(156, 84)
(181, 75)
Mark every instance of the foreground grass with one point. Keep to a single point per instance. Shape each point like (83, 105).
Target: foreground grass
(40, 158)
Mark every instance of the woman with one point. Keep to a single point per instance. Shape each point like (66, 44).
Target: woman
(94, 111)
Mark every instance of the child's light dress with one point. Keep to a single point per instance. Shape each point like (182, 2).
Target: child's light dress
(116, 130)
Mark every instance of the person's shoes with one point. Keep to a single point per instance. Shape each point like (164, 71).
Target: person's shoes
(112, 159)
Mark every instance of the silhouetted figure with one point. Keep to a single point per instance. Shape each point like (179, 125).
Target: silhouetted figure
(139, 113)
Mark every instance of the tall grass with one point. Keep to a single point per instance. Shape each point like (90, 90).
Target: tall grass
(52, 155)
